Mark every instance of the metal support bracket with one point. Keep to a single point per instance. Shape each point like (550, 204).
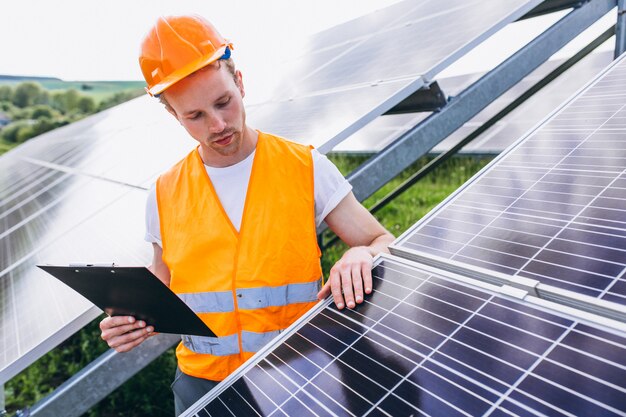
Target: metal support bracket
(427, 99)
(101, 377)
(415, 143)
(620, 29)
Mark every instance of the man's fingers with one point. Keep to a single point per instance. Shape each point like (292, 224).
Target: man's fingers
(366, 273)
(130, 339)
(115, 321)
(132, 344)
(111, 332)
(123, 333)
(325, 291)
(346, 286)
(357, 283)
(335, 287)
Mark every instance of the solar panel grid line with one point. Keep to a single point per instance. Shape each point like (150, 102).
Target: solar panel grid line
(505, 230)
(533, 130)
(597, 357)
(258, 357)
(349, 346)
(292, 396)
(609, 287)
(33, 196)
(578, 394)
(451, 370)
(549, 251)
(527, 372)
(18, 187)
(592, 377)
(601, 307)
(578, 214)
(621, 389)
(27, 219)
(14, 263)
(320, 372)
(251, 382)
(79, 172)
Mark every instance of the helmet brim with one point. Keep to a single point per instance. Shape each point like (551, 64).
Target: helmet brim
(182, 72)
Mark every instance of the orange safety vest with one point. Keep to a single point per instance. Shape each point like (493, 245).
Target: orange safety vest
(247, 286)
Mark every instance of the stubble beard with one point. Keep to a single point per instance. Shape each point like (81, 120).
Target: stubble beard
(232, 147)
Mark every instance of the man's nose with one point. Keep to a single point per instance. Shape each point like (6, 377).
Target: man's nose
(216, 123)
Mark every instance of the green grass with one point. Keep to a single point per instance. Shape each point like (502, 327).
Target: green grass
(6, 146)
(414, 203)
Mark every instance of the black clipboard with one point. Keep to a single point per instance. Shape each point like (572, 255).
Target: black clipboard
(132, 291)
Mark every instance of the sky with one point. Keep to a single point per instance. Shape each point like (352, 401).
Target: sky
(99, 40)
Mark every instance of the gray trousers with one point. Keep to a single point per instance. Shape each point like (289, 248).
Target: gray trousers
(188, 389)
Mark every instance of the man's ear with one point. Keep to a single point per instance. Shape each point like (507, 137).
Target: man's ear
(239, 83)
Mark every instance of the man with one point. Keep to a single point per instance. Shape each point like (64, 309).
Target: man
(233, 225)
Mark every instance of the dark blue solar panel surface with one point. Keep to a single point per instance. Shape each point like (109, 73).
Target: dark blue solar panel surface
(553, 208)
(423, 344)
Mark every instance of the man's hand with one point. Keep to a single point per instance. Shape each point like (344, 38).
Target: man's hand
(123, 333)
(350, 278)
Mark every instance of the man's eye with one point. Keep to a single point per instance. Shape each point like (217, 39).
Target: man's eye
(223, 102)
(194, 116)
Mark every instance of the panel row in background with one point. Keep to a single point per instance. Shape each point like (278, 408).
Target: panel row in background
(428, 342)
(385, 129)
(335, 87)
(552, 208)
(81, 220)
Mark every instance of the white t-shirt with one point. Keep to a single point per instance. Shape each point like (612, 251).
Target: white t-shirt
(231, 185)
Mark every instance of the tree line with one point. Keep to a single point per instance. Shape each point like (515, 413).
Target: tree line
(33, 110)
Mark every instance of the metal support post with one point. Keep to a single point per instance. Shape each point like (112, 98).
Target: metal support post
(101, 377)
(2, 402)
(392, 160)
(620, 28)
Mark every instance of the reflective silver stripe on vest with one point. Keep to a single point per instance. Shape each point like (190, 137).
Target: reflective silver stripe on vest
(218, 346)
(253, 341)
(209, 302)
(251, 298)
(223, 346)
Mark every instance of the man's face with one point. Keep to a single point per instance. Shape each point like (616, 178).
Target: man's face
(209, 105)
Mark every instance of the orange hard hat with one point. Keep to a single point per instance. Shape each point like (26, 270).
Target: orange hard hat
(175, 47)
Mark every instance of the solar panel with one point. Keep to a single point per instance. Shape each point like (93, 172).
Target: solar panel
(532, 111)
(552, 207)
(37, 310)
(109, 144)
(432, 343)
(329, 100)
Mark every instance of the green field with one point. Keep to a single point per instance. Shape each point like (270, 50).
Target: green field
(96, 89)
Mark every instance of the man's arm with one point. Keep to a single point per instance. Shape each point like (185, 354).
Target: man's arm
(351, 277)
(124, 333)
